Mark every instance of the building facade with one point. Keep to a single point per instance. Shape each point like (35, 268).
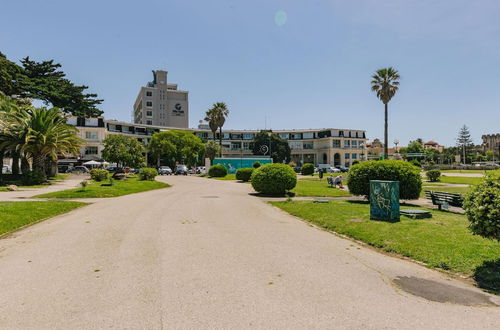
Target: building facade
(491, 142)
(160, 103)
(338, 147)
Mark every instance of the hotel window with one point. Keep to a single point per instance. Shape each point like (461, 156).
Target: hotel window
(354, 156)
(308, 145)
(149, 104)
(347, 143)
(336, 143)
(308, 135)
(91, 150)
(235, 146)
(296, 136)
(225, 136)
(149, 113)
(148, 93)
(295, 145)
(356, 134)
(247, 136)
(341, 133)
(354, 144)
(236, 136)
(346, 156)
(149, 122)
(246, 145)
(91, 135)
(283, 136)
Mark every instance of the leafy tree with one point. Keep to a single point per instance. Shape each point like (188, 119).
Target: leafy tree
(124, 151)
(216, 117)
(44, 81)
(279, 148)
(211, 149)
(415, 147)
(385, 83)
(464, 141)
(181, 146)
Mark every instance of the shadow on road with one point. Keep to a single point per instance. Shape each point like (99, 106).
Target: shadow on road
(487, 276)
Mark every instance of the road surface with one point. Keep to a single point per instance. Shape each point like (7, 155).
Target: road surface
(206, 254)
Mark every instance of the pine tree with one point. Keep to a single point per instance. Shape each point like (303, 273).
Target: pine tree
(464, 141)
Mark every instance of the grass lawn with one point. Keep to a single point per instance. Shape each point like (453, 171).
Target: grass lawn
(95, 190)
(227, 177)
(315, 187)
(466, 171)
(442, 241)
(456, 190)
(460, 179)
(14, 215)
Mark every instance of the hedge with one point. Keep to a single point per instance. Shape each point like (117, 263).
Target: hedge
(148, 173)
(244, 173)
(433, 175)
(217, 171)
(410, 182)
(274, 179)
(307, 169)
(98, 174)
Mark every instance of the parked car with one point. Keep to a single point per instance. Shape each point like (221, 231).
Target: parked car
(333, 169)
(78, 170)
(6, 169)
(201, 170)
(164, 170)
(297, 169)
(181, 170)
(112, 169)
(343, 169)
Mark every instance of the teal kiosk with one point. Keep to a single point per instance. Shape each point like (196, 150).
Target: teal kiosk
(232, 164)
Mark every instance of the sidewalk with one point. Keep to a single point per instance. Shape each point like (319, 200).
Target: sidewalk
(25, 193)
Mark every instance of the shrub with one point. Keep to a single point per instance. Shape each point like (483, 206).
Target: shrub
(84, 184)
(217, 171)
(354, 162)
(292, 164)
(415, 162)
(244, 173)
(147, 173)
(482, 207)
(410, 182)
(433, 175)
(256, 165)
(307, 169)
(97, 174)
(34, 177)
(273, 179)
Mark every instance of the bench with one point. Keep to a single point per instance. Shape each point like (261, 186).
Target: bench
(441, 198)
(329, 179)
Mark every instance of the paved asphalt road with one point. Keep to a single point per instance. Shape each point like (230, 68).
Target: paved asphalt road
(205, 254)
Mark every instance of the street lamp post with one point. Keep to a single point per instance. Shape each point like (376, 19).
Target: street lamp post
(270, 148)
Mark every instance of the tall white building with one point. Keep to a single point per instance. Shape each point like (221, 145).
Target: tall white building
(161, 104)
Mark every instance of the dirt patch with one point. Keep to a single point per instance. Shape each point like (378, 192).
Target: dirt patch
(440, 292)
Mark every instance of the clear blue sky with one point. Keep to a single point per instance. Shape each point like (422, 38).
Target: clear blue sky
(303, 64)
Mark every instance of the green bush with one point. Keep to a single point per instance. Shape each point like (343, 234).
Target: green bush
(256, 165)
(354, 162)
(482, 207)
(97, 174)
(307, 169)
(147, 173)
(274, 179)
(244, 173)
(34, 177)
(415, 162)
(410, 182)
(217, 171)
(433, 175)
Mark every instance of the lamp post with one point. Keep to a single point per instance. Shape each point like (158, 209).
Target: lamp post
(270, 148)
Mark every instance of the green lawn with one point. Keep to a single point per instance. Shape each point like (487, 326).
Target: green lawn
(460, 179)
(227, 177)
(442, 241)
(95, 190)
(14, 215)
(465, 171)
(315, 187)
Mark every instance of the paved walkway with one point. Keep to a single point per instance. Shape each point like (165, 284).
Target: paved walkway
(25, 193)
(206, 254)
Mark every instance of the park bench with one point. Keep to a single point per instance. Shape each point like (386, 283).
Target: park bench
(329, 179)
(441, 198)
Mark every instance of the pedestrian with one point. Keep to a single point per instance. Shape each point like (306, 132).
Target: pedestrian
(338, 181)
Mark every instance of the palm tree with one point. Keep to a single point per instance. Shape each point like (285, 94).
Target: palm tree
(385, 83)
(216, 117)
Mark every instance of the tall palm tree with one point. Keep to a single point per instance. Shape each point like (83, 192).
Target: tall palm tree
(385, 83)
(216, 117)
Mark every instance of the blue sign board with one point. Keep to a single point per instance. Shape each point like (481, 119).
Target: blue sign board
(232, 164)
(384, 200)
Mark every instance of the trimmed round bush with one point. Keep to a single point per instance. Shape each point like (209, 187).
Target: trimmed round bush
(98, 174)
(217, 171)
(256, 165)
(482, 207)
(148, 173)
(410, 182)
(433, 175)
(274, 179)
(244, 173)
(307, 169)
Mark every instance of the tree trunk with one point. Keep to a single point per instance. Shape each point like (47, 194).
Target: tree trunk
(386, 142)
(220, 141)
(214, 134)
(1, 166)
(15, 163)
(25, 165)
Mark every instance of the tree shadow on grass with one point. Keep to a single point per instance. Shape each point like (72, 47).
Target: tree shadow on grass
(487, 276)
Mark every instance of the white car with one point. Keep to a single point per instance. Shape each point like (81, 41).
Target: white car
(333, 170)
